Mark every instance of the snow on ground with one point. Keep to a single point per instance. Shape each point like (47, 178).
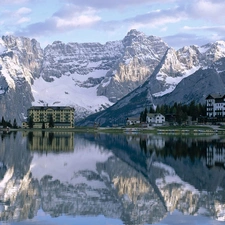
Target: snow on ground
(66, 90)
(173, 81)
(2, 47)
(203, 49)
(68, 167)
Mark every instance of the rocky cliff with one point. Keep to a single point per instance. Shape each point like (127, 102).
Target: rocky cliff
(137, 71)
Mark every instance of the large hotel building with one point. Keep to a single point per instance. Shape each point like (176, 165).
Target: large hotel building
(60, 116)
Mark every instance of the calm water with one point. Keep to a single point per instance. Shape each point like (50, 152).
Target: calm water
(106, 179)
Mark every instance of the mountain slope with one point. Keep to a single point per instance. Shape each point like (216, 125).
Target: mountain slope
(128, 75)
(20, 63)
(193, 87)
(88, 76)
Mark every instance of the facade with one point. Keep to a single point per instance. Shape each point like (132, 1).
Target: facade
(215, 105)
(155, 119)
(46, 116)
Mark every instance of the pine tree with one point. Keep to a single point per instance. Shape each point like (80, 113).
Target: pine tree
(30, 121)
(51, 121)
(15, 124)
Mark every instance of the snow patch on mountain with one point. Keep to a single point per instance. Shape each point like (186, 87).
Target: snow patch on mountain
(173, 81)
(69, 90)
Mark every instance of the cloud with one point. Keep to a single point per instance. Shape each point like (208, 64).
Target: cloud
(158, 18)
(211, 11)
(11, 18)
(23, 11)
(153, 19)
(185, 39)
(205, 28)
(11, 2)
(103, 4)
(174, 16)
(67, 18)
(23, 20)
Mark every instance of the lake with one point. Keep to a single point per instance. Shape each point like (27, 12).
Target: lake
(111, 179)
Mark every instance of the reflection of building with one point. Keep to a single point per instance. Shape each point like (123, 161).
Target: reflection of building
(215, 155)
(156, 142)
(59, 116)
(50, 141)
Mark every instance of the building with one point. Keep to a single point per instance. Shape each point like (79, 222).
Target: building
(51, 116)
(215, 105)
(155, 119)
(133, 120)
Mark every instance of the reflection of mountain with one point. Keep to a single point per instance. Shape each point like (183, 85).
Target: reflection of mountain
(19, 194)
(137, 178)
(50, 141)
(178, 168)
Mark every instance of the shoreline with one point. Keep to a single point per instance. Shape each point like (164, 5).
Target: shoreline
(182, 130)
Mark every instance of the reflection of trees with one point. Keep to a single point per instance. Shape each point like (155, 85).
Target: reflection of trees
(50, 138)
(30, 138)
(176, 147)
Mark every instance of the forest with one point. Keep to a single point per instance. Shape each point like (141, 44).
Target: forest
(178, 112)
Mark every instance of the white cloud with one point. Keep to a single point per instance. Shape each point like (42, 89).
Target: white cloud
(78, 21)
(23, 11)
(193, 17)
(11, 2)
(112, 4)
(23, 20)
(66, 19)
(185, 39)
(153, 19)
(212, 11)
(204, 28)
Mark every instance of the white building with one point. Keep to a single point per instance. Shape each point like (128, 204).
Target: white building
(133, 120)
(155, 119)
(215, 105)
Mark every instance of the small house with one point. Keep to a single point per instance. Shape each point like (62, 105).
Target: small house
(155, 119)
(133, 120)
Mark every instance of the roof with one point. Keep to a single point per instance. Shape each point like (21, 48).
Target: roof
(215, 96)
(133, 118)
(154, 114)
(50, 107)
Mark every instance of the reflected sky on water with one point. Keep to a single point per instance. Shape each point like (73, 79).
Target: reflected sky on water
(71, 178)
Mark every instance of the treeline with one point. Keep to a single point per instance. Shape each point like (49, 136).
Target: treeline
(177, 112)
(7, 123)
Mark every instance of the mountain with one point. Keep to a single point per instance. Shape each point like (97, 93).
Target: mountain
(20, 64)
(115, 80)
(188, 74)
(88, 76)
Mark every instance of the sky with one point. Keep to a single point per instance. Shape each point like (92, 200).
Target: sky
(178, 22)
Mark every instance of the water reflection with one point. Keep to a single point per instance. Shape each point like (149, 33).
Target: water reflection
(50, 141)
(138, 179)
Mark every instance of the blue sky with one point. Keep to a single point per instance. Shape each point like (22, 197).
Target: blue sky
(177, 22)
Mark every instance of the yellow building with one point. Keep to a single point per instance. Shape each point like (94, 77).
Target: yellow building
(51, 116)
